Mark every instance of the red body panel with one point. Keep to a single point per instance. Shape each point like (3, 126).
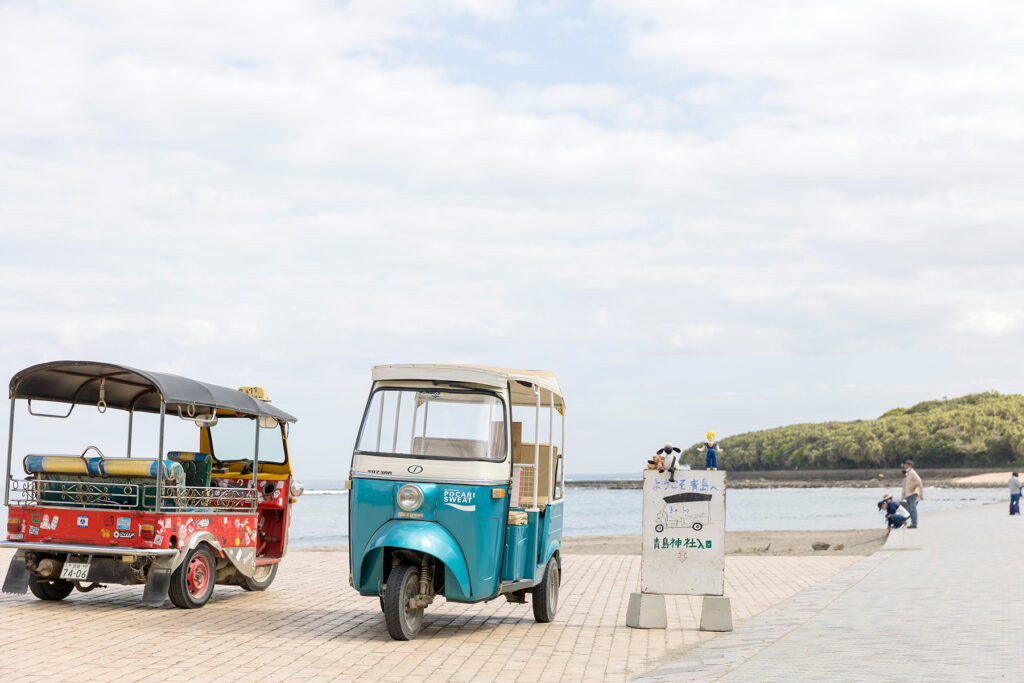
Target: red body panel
(121, 528)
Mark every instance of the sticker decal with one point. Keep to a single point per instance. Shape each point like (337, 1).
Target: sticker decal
(124, 523)
(123, 534)
(460, 500)
(83, 521)
(33, 531)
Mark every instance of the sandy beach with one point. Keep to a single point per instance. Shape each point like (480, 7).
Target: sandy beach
(841, 542)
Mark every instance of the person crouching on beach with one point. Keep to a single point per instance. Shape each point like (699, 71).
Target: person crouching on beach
(1014, 484)
(713, 448)
(893, 519)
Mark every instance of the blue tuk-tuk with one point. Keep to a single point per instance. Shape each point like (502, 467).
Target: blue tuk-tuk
(447, 499)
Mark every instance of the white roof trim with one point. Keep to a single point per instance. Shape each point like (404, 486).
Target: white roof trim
(474, 374)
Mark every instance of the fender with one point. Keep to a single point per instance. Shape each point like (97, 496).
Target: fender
(553, 547)
(243, 558)
(427, 537)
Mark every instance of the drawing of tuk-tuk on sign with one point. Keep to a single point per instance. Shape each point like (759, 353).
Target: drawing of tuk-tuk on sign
(684, 510)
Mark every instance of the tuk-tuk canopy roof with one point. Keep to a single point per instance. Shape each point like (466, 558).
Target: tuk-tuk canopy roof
(78, 382)
(520, 382)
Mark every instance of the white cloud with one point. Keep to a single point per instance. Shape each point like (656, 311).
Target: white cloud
(292, 193)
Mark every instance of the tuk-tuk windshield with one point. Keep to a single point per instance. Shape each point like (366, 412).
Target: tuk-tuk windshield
(234, 438)
(434, 423)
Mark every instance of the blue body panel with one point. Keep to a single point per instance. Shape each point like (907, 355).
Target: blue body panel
(462, 526)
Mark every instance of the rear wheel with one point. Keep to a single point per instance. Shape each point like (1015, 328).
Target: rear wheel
(49, 589)
(261, 578)
(192, 582)
(403, 620)
(545, 594)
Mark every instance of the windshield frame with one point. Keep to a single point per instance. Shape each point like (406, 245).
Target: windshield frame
(449, 390)
(279, 427)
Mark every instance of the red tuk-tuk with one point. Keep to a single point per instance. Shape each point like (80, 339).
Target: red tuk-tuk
(178, 521)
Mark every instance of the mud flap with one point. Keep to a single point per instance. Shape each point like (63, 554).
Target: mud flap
(17, 575)
(157, 585)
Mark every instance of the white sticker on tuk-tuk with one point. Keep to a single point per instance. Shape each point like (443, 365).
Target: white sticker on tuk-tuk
(460, 500)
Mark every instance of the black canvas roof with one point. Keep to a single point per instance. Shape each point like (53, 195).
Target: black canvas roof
(75, 381)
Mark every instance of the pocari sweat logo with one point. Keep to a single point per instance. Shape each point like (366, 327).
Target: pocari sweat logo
(460, 500)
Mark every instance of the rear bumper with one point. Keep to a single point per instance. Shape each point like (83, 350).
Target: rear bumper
(89, 549)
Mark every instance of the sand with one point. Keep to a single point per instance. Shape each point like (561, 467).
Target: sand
(987, 479)
(855, 542)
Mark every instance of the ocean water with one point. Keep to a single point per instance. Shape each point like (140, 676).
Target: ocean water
(321, 515)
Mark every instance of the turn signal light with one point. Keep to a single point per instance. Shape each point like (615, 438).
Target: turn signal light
(147, 531)
(14, 525)
(497, 493)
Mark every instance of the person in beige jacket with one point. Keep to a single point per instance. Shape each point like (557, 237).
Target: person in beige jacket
(913, 491)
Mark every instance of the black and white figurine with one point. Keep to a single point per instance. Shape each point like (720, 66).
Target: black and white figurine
(666, 451)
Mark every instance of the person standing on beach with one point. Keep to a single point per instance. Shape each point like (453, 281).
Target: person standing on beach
(913, 491)
(1014, 484)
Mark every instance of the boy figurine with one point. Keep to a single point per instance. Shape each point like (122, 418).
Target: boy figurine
(713, 448)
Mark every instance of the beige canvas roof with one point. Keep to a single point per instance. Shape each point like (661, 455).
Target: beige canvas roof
(479, 374)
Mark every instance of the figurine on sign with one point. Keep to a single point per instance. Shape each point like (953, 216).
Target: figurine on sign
(659, 458)
(713, 448)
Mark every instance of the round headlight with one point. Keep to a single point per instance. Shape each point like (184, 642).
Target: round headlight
(410, 497)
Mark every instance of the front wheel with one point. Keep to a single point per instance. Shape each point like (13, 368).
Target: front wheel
(192, 582)
(261, 578)
(402, 619)
(545, 594)
(49, 589)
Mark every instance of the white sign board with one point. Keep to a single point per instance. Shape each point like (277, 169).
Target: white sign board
(684, 533)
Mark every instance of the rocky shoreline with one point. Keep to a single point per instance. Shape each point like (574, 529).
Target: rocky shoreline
(944, 478)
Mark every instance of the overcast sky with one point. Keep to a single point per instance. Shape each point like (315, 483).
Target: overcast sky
(700, 215)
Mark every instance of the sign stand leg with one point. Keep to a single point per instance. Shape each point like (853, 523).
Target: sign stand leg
(715, 613)
(646, 610)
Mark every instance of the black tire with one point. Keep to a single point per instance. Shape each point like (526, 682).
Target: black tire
(49, 589)
(403, 622)
(545, 593)
(261, 580)
(192, 582)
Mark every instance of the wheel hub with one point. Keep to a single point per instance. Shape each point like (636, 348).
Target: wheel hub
(198, 575)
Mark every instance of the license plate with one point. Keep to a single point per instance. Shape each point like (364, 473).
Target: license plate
(75, 571)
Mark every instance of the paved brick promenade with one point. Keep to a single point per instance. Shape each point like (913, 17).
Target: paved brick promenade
(311, 626)
(941, 603)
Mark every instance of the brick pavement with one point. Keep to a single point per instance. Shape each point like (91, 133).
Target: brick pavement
(311, 626)
(939, 603)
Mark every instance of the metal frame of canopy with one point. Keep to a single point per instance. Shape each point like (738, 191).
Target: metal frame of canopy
(108, 385)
